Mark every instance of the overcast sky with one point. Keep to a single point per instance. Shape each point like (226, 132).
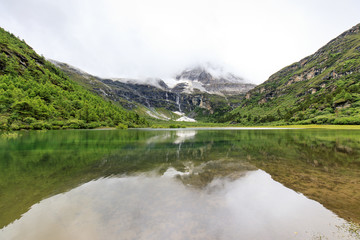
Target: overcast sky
(158, 38)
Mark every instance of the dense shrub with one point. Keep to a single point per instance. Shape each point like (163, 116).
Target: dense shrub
(35, 94)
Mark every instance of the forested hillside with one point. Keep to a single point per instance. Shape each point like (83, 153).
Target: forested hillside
(323, 88)
(34, 94)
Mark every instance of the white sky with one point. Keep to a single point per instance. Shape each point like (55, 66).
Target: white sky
(158, 38)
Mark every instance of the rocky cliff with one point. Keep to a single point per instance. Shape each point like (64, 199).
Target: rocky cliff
(198, 102)
(213, 81)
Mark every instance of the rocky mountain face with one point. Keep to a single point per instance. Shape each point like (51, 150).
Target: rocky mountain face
(154, 97)
(194, 95)
(321, 88)
(219, 83)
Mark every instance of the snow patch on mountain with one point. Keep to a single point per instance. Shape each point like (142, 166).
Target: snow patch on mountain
(185, 119)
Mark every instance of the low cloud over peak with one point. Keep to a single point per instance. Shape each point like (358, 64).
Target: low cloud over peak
(157, 38)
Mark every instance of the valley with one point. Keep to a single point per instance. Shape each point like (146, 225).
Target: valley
(179, 120)
(197, 93)
(322, 88)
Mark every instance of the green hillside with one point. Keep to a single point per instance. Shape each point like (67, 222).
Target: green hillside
(34, 94)
(323, 88)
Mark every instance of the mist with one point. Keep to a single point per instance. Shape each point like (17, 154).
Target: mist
(158, 38)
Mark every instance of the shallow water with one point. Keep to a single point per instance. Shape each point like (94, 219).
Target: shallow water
(183, 184)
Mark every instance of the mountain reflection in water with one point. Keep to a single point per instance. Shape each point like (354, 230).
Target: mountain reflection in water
(179, 184)
(148, 207)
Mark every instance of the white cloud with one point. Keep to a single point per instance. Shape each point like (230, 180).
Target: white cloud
(142, 38)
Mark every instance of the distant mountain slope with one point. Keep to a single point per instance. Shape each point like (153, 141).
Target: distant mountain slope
(323, 88)
(214, 81)
(154, 98)
(34, 94)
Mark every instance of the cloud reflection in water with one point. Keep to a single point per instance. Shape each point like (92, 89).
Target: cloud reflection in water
(147, 207)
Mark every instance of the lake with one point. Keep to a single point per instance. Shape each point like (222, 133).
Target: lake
(180, 184)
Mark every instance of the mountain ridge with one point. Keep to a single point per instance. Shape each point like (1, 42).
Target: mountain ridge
(322, 88)
(34, 94)
(154, 97)
(215, 81)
